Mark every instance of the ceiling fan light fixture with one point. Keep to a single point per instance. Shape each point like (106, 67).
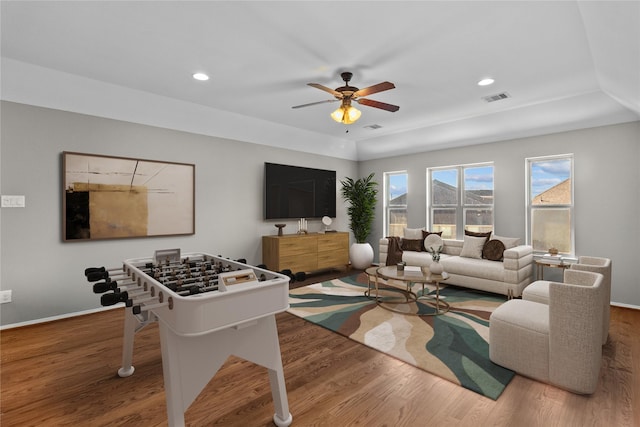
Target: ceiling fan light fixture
(346, 114)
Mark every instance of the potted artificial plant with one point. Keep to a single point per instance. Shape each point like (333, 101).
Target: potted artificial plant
(362, 197)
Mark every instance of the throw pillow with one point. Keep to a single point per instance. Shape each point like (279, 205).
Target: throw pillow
(413, 233)
(509, 242)
(493, 250)
(477, 234)
(432, 241)
(411, 245)
(425, 233)
(486, 235)
(428, 233)
(472, 247)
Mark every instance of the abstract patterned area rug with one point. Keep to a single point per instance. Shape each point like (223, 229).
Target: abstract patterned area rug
(454, 346)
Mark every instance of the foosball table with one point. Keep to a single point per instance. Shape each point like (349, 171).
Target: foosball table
(208, 308)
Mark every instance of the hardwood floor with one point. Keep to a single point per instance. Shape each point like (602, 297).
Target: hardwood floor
(64, 373)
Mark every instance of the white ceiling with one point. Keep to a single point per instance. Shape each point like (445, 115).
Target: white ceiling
(566, 65)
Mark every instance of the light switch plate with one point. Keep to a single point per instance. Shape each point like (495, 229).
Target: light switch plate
(5, 296)
(13, 201)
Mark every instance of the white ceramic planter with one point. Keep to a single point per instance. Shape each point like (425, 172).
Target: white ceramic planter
(361, 255)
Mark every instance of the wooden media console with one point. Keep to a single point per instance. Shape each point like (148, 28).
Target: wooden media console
(306, 252)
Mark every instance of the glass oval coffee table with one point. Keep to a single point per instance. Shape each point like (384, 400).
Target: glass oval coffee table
(409, 277)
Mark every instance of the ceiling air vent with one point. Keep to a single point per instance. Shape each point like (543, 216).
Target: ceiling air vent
(496, 97)
(373, 127)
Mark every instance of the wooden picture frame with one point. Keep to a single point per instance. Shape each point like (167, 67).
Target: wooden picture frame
(107, 197)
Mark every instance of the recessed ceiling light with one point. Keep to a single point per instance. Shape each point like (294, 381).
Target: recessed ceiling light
(200, 76)
(485, 82)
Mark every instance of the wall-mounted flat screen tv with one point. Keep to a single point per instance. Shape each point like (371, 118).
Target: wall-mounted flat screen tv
(298, 192)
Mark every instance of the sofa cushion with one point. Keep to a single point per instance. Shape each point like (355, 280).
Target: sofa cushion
(472, 247)
(452, 247)
(412, 245)
(493, 250)
(421, 259)
(480, 268)
(537, 291)
(509, 242)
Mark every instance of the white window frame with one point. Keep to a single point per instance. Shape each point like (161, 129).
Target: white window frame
(387, 198)
(529, 206)
(460, 207)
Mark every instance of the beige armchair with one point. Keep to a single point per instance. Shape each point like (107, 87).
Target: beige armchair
(538, 291)
(558, 342)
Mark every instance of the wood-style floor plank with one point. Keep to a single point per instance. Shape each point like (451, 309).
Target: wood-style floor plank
(65, 373)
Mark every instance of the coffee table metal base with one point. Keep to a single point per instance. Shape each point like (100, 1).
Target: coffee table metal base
(435, 301)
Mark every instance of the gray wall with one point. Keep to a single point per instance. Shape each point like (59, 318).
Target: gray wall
(46, 275)
(607, 199)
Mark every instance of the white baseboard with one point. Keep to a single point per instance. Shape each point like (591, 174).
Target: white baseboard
(59, 317)
(619, 304)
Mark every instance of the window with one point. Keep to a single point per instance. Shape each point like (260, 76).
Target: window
(395, 203)
(550, 203)
(460, 198)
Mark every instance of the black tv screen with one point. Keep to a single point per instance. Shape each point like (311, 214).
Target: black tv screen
(298, 192)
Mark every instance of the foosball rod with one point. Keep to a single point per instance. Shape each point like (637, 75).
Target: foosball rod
(179, 269)
(170, 264)
(209, 262)
(90, 270)
(103, 275)
(137, 309)
(113, 298)
(102, 287)
(137, 301)
(200, 287)
(187, 281)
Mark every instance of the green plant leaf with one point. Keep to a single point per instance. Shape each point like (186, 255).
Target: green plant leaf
(362, 197)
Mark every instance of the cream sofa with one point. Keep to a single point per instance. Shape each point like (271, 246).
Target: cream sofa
(508, 277)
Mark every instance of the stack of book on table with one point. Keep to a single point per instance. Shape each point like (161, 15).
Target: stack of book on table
(553, 259)
(411, 270)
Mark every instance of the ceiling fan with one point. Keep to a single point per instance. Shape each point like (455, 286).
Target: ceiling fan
(346, 113)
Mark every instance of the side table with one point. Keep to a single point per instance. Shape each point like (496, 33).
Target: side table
(541, 264)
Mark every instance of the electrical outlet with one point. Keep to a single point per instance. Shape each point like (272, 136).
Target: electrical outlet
(5, 296)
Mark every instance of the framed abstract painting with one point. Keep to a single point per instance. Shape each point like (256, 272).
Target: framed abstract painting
(107, 197)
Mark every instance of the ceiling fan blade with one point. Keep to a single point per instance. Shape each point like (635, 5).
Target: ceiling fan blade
(315, 103)
(374, 89)
(378, 104)
(326, 89)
